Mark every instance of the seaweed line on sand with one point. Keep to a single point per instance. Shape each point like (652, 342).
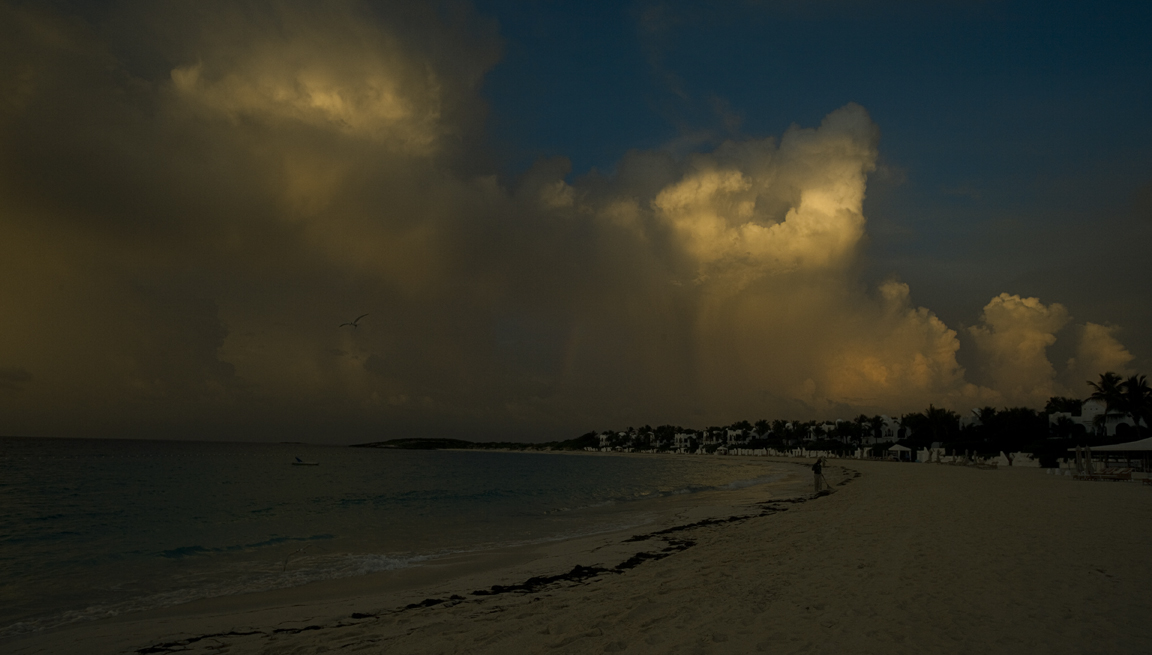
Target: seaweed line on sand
(578, 575)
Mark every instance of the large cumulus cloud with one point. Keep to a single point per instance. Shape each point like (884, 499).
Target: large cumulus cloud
(193, 197)
(1014, 335)
(1097, 350)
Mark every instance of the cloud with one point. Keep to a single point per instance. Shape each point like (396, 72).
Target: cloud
(1013, 336)
(760, 208)
(326, 67)
(193, 201)
(744, 263)
(900, 354)
(1097, 351)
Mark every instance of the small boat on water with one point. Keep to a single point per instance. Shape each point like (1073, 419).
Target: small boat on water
(300, 462)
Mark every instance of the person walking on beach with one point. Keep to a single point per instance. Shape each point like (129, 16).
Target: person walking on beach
(818, 472)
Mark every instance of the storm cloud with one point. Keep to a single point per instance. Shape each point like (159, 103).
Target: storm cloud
(194, 198)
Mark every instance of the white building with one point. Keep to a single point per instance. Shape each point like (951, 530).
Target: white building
(1094, 418)
(682, 442)
(887, 432)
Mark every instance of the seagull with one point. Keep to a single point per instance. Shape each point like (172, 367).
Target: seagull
(354, 323)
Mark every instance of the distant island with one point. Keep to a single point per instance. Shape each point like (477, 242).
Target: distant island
(418, 444)
(460, 444)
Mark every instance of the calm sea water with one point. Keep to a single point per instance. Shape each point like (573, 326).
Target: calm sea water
(95, 528)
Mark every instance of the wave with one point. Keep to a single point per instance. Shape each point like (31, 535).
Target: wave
(186, 551)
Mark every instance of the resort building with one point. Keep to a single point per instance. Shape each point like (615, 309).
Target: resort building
(736, 437)
(1094, 417)
(683, 442)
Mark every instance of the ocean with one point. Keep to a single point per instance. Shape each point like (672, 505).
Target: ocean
(96, 528)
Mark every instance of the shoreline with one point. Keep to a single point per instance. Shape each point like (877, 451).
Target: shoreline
(450, 574)
(905, 559)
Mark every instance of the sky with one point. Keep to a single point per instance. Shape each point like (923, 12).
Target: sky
(563, 216)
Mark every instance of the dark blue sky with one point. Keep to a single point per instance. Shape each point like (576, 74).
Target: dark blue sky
(955, 88)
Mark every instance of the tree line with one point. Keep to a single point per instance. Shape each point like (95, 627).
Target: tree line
(1010, 429)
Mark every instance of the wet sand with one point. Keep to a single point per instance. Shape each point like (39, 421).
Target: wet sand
(901, 558)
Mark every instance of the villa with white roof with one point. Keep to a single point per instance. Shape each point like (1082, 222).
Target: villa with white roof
(1094, 417)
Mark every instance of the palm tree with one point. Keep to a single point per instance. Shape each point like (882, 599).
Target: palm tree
(1108, 390)
(860, 429)
(780, 429)
(987, 416)
(876, 423)
(1136, 400)
(987, 423)
(910, 424)
(1063, 404)
(942, 422)
(762, 428)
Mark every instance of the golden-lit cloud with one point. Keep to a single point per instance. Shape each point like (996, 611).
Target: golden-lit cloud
(183, 227)
(899, 354)
(325, 67)
(1097, 351)
(765, 209)
(1013, 336)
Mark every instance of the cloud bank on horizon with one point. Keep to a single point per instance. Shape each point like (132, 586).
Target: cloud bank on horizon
(186, 217)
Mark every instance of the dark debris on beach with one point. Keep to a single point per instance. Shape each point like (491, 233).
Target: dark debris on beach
(578, 575)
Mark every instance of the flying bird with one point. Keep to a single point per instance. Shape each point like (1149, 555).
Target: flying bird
(354, 323)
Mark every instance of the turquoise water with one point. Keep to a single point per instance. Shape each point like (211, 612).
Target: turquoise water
(95, 528)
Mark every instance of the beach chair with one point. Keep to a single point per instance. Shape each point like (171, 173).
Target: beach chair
(1115, 474)
(1107, 475)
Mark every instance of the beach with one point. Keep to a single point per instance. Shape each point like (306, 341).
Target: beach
(900, 558)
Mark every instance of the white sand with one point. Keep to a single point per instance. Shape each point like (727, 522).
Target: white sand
(906, 558)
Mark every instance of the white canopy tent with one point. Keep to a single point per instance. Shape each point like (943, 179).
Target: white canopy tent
(898, 451)
(1131, 446)
(1135, 454)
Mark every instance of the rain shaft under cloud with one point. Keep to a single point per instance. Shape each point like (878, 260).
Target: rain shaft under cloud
(177, 249)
